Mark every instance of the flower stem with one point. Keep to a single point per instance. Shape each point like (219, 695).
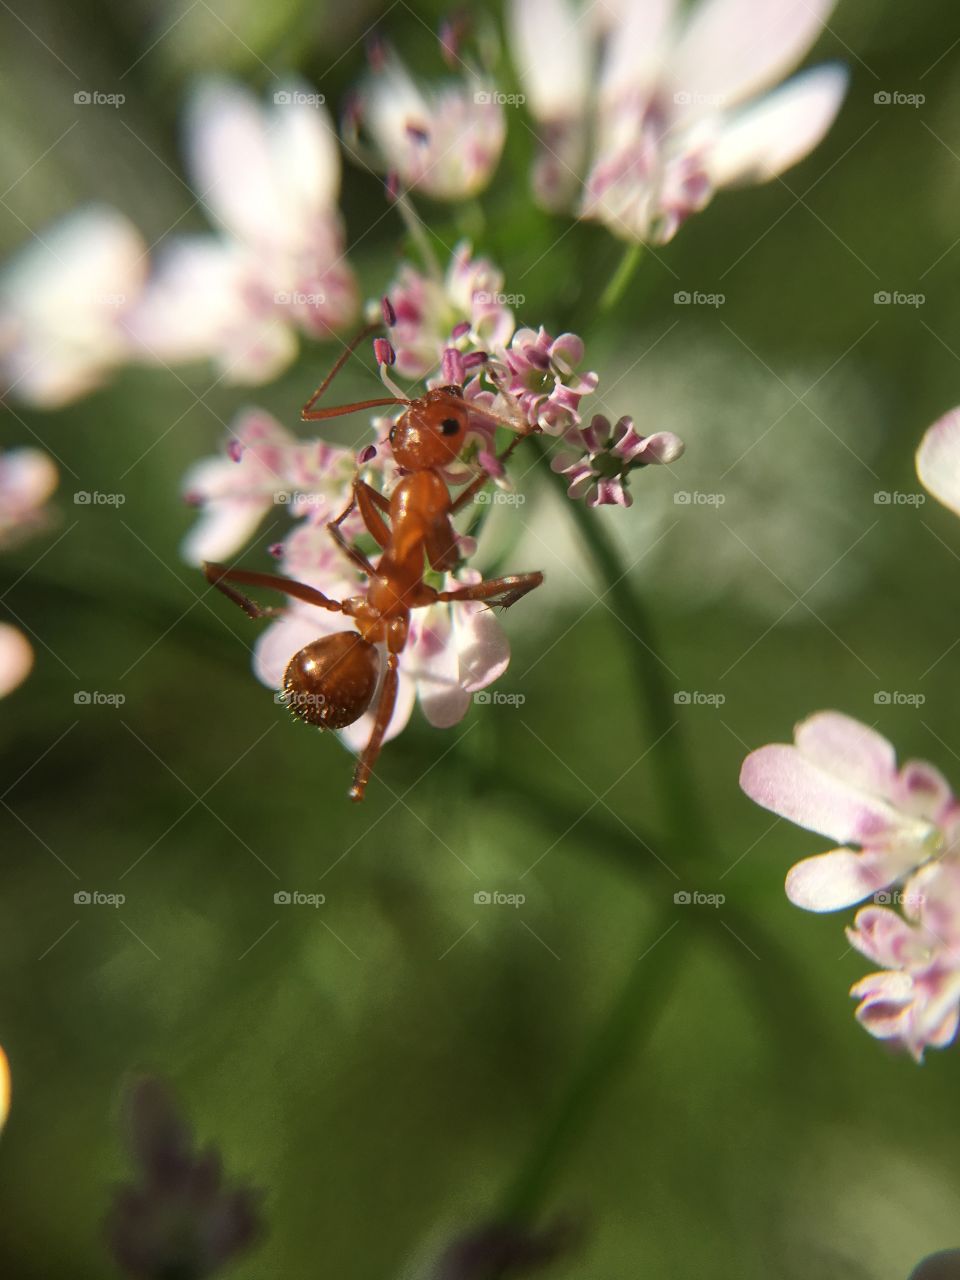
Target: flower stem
(640, 999)
(621, 277)
(652, 679)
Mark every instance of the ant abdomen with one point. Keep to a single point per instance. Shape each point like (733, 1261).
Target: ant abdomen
(330, 682)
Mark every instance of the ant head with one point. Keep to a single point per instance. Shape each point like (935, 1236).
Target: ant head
(432, 432)
(330, 682)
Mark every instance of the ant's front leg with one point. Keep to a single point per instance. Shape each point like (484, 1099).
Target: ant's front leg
(502, 592)
(370, 504)
(218, 575)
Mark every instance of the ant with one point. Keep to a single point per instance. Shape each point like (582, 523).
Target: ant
(332, 681)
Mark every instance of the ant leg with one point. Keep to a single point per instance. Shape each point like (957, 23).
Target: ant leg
(218, 575)
(502, 592)
(477, 484)
(368, 500)
(385, 707)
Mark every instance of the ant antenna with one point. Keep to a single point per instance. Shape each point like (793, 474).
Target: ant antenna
(309, 414)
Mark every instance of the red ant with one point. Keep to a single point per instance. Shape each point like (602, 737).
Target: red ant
(332, 681)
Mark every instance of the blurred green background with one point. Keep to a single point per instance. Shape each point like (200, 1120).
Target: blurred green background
(383, 1065)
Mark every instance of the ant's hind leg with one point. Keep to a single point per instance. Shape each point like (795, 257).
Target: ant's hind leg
(385, 708)
(502, 592)
(218, 575)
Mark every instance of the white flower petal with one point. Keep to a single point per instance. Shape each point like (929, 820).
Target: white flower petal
(769, 136)
(782, 780)
(16, 659)
(551, 50)
(231, 162)
(852, 752)
(62, 303)
(938, 460)
(733, 49)
(838, 879)
(636, 48)
(306, 157)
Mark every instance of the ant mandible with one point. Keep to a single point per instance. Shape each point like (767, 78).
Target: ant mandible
(332, 681)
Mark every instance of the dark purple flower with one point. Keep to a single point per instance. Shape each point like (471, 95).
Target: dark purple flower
(175, 1220)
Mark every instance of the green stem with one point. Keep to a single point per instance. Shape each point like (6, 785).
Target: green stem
(651, 679)
(621, 277)
(638, 1003)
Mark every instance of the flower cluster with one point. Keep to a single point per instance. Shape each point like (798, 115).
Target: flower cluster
(680, 107)
(898, 826)
(85, 297)
(464, 323)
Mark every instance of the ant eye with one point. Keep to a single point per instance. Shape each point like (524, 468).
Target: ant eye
(449, 426)
(393, 435)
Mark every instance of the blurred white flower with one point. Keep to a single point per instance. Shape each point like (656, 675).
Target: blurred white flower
(16, 662)
(680, 107)
(64, 301)
(444, 141)
(938, 460)
(262, 466)
(4, 1088)
(27, 479)
(269, 178)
